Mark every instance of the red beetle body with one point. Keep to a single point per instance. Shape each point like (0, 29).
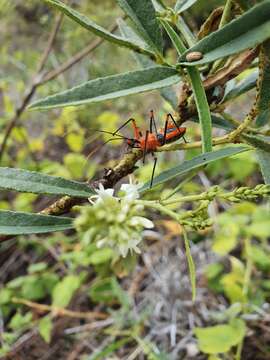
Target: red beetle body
(150, 141)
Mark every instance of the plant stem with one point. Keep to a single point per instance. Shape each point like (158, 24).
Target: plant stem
(249, 264)
(239, 350)
(226, 16)
(159, 207)
(191, 265)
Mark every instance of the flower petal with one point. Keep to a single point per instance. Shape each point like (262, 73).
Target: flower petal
(140, 220)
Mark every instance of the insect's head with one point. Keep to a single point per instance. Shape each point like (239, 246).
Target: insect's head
(133, 143)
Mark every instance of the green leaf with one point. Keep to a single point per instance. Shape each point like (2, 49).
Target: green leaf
(102, 290)
(101, 256)
(19, 321)
(194, 163)
(259, 229)
(64, 290)
(182, 5)
(35, 182)
(198, 89)
(96, 29)
(259, 256)
(264, 162)
(33, 288)
(258, 141)
(191, 266)
(45, 328)
(168, 93)
(202, 108)
(75, 164)
(220, 338)
(20, 223)
(110, 349)
(242, 87)
(217, 121)
(5, 296)
(75, 142)
(263, 118)
(158, 5)
(37, 267)
(247, 31)
(112, 87)
(143, 17)
(263, 100)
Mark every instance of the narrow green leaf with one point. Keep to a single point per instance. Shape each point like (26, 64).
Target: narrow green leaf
(263, 118)
(217, 121)
(143, 17)
(195, 163)
(129, 34)
(191, 265)
(37, 183)
(112, 87)
(258, 141)
(247, 31)
(168, 93)
(182, 5)
(263, 101)
(198, 89)
(264, 162)
(242, 87)
(20, 223)
(158, 5)
(176, 40)
(202, 108)
(96, 29)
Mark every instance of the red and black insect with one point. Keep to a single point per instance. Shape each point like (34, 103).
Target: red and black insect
(149, 142)
(153, 138)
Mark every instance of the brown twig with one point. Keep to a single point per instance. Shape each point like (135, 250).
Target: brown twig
(57, 311)
(29, 94)
(50, 75)
(40, 79)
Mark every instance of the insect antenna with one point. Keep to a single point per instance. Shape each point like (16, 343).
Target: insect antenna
(111, 133)
(100, 146)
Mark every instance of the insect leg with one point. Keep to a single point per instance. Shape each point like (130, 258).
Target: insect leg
(123, 125)
(152, 122)
(145, 145)
(165, 132)
(153, 171)
(171, 117)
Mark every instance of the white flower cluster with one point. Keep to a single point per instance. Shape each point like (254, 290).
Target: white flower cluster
(114, 221)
